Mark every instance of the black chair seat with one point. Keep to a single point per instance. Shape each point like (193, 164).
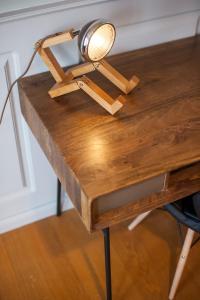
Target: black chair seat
(186, 211)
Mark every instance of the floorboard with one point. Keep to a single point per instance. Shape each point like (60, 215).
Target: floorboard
(57, 259)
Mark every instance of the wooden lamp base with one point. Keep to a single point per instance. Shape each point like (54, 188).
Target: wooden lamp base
(75, 79)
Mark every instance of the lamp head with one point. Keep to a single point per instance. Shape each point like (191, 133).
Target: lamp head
(96, 39)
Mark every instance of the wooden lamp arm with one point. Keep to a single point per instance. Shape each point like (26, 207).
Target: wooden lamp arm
(115, 77)
(52, 64)
(100, 96)
(108, 71)
(58, 38)
(48, 56)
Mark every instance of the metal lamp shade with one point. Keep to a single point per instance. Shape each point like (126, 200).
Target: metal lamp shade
(96, 39)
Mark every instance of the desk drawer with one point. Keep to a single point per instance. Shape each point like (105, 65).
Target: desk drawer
(129, 202)
(129, 194)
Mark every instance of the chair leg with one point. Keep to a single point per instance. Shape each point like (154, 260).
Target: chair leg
(181, 263)
(138, 220)
(181, 235)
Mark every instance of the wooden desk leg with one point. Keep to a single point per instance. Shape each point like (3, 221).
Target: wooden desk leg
(59, 204)
(106, 233)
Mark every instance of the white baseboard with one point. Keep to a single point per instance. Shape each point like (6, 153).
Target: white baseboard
(32, 215)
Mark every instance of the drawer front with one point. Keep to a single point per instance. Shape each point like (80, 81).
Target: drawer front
(129, 195)
(153, 193)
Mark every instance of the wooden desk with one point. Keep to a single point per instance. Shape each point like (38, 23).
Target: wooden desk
(100, 158)
(96, 155)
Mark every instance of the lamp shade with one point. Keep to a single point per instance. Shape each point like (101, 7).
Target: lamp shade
(96, 39)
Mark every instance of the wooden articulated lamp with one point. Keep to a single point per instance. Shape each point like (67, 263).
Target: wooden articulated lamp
(95, 41)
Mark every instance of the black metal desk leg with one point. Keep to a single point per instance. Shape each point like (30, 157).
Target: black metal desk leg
(106, 233)
(59, 204)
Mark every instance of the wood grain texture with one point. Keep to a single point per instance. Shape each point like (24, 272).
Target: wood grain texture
(157, 131)
(56, 258)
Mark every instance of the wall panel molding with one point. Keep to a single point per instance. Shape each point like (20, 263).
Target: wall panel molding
(17, 145)
(11, 69)
(7, 70)
(42, 9)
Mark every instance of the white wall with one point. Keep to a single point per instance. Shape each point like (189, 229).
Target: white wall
(27, 182)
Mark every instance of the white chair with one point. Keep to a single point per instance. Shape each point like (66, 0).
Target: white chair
(187, 212)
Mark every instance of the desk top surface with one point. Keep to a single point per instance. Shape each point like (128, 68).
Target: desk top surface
(156, 131)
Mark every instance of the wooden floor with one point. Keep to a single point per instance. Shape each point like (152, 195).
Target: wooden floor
(56, 259)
